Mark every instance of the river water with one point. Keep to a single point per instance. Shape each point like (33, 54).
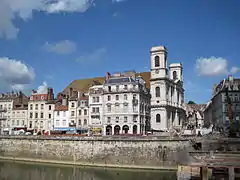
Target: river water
(26, 171)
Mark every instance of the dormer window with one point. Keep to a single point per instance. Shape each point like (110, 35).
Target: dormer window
(174, 75)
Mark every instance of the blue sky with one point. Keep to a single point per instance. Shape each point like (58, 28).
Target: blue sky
(58, 42)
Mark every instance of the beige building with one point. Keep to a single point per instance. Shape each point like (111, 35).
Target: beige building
(41, 110)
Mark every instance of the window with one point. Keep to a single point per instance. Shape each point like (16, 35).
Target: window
(64, 123)
(157, 91)
(108, 119)
(41, 124)
(174, 75)
(93, 99)
(31, 115)
(125, 107)
(17, 122)
(134, 87)
(125, 96)
(49, 107)
(109, 108)
(31, 107)
(36, 115)
(42, 106)
(117, 97)
(97, 99)
(117, 119)
(64, 113)
(80, 112)
(41, 115)
(158, 118)
(57, 123)
(49, 116)
(109, 88)
(93, 109)
(72, 113)
(30, 124)
(85, 122)
(117, 87)
(58, 113)
(36, 107)
(117, 108)
(85, 112)
(125, 87)
(22, 122)
(157, 64)
(125, 119)
(109, 98)
(13, 122)
(79, 122)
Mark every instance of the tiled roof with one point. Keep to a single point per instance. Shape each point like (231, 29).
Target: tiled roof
(83, 85)
(61, 108)
(83, 98)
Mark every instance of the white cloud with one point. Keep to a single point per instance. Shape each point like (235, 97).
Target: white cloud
(62, 47)
(42, 89)
(92, 57)
(12, 9)
(24, 9)
(213, 66)
(14, 74)
(234, 70)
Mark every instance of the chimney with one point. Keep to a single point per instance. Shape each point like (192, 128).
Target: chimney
(20, 97)
(50, 94)
(64, 101)
(70, 92)
(108, 75)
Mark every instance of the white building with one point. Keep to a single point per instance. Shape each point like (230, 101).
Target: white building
(126, 104)
(217, 111)
(41, 110)
(96, 109)
(82, 113)
(6, 103)
(61, 118)
(166, 91)
(19, 115)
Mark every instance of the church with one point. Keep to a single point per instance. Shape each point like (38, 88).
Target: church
(167, 93)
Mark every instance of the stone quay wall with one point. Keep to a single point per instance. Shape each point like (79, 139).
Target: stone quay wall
(123, 152)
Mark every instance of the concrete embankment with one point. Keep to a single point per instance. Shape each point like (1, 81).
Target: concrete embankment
(116, 152)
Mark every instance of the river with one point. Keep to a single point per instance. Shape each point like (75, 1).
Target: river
(26, 171)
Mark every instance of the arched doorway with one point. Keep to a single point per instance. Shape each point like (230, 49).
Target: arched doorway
(135, 129)
(125, 129)
(117, 130)
(109, 130)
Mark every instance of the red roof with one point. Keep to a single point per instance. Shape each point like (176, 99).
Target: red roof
(83, 98)
(61, 108)
(39, 97)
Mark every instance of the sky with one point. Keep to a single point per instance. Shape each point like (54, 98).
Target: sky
(53, 42)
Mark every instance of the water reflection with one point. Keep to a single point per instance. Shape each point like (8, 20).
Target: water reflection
(24, 171)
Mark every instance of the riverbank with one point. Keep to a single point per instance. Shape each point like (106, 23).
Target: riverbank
(70, 163)
(151, 153)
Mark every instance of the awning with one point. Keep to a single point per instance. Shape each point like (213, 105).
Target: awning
(96, 129)
(65, 129)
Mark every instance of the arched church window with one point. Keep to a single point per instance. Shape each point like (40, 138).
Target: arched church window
(157, 63)
(157, 91)
(158, 118)
(174, 75)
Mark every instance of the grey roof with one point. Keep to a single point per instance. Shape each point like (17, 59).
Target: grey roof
(119, 80)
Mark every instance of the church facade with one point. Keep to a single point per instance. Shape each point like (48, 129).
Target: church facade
(167, 92)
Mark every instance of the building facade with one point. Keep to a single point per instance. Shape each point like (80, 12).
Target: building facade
(96, 109)
(126, 104)
(61, 118)
(167, 92)
(216, 111)
(41, 111)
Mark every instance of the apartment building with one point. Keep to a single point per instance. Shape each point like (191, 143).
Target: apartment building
(41, 110)
(126, 104)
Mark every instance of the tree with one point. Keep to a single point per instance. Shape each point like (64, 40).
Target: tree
(191, 102)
